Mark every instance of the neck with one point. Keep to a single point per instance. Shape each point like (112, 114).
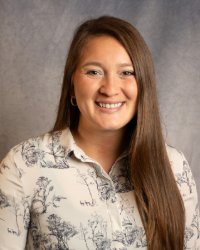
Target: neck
(102, 146)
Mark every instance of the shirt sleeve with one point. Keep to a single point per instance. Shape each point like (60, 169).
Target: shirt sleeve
(14, 208)
(187, 186)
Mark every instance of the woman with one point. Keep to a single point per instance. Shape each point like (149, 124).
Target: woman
(103, 178)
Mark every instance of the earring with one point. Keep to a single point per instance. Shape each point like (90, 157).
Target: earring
(73, 101)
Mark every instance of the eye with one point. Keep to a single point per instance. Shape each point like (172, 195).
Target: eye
(127, 73)
(94, 73)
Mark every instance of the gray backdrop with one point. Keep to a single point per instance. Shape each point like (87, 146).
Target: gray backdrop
(34, 37)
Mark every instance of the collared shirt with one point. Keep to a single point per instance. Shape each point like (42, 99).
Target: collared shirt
(53, 196)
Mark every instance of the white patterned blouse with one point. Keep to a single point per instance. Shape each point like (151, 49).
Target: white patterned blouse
(53, 196)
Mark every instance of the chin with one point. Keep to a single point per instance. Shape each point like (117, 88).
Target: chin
(112, 128)
(113, 124)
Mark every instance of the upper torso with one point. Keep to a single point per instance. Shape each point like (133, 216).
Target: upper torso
(53, 196)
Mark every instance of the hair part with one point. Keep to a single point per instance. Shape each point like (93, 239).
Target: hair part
(158, 198)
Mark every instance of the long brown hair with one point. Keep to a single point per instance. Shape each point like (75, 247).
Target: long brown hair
(158, 198)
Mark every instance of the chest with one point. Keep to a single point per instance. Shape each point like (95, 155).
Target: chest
(79, 210)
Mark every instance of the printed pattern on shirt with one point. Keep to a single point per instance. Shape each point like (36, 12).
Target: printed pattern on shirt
(53, 196)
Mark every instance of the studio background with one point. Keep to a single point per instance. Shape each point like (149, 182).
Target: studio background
(34, 38)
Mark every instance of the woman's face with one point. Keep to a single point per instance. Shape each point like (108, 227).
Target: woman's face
(104, 85)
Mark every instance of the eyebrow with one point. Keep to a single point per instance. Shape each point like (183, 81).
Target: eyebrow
(101, 65)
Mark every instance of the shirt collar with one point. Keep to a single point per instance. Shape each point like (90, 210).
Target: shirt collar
(68, 142)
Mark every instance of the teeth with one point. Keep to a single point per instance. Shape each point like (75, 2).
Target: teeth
(110, 106)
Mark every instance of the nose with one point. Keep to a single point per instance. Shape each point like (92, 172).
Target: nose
(109, 86)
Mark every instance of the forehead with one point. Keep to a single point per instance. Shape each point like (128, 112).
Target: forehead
(103, 47)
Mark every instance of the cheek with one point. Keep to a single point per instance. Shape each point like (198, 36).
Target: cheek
(84, 90)
(79, 89)
(132, 90)
(83, 97)
(81, 94)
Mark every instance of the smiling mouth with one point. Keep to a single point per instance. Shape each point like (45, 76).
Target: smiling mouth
(109, 105)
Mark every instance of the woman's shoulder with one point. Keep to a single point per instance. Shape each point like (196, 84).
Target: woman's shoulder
(176, 158)
(32, 143)
(182, 172)
(38, 149)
